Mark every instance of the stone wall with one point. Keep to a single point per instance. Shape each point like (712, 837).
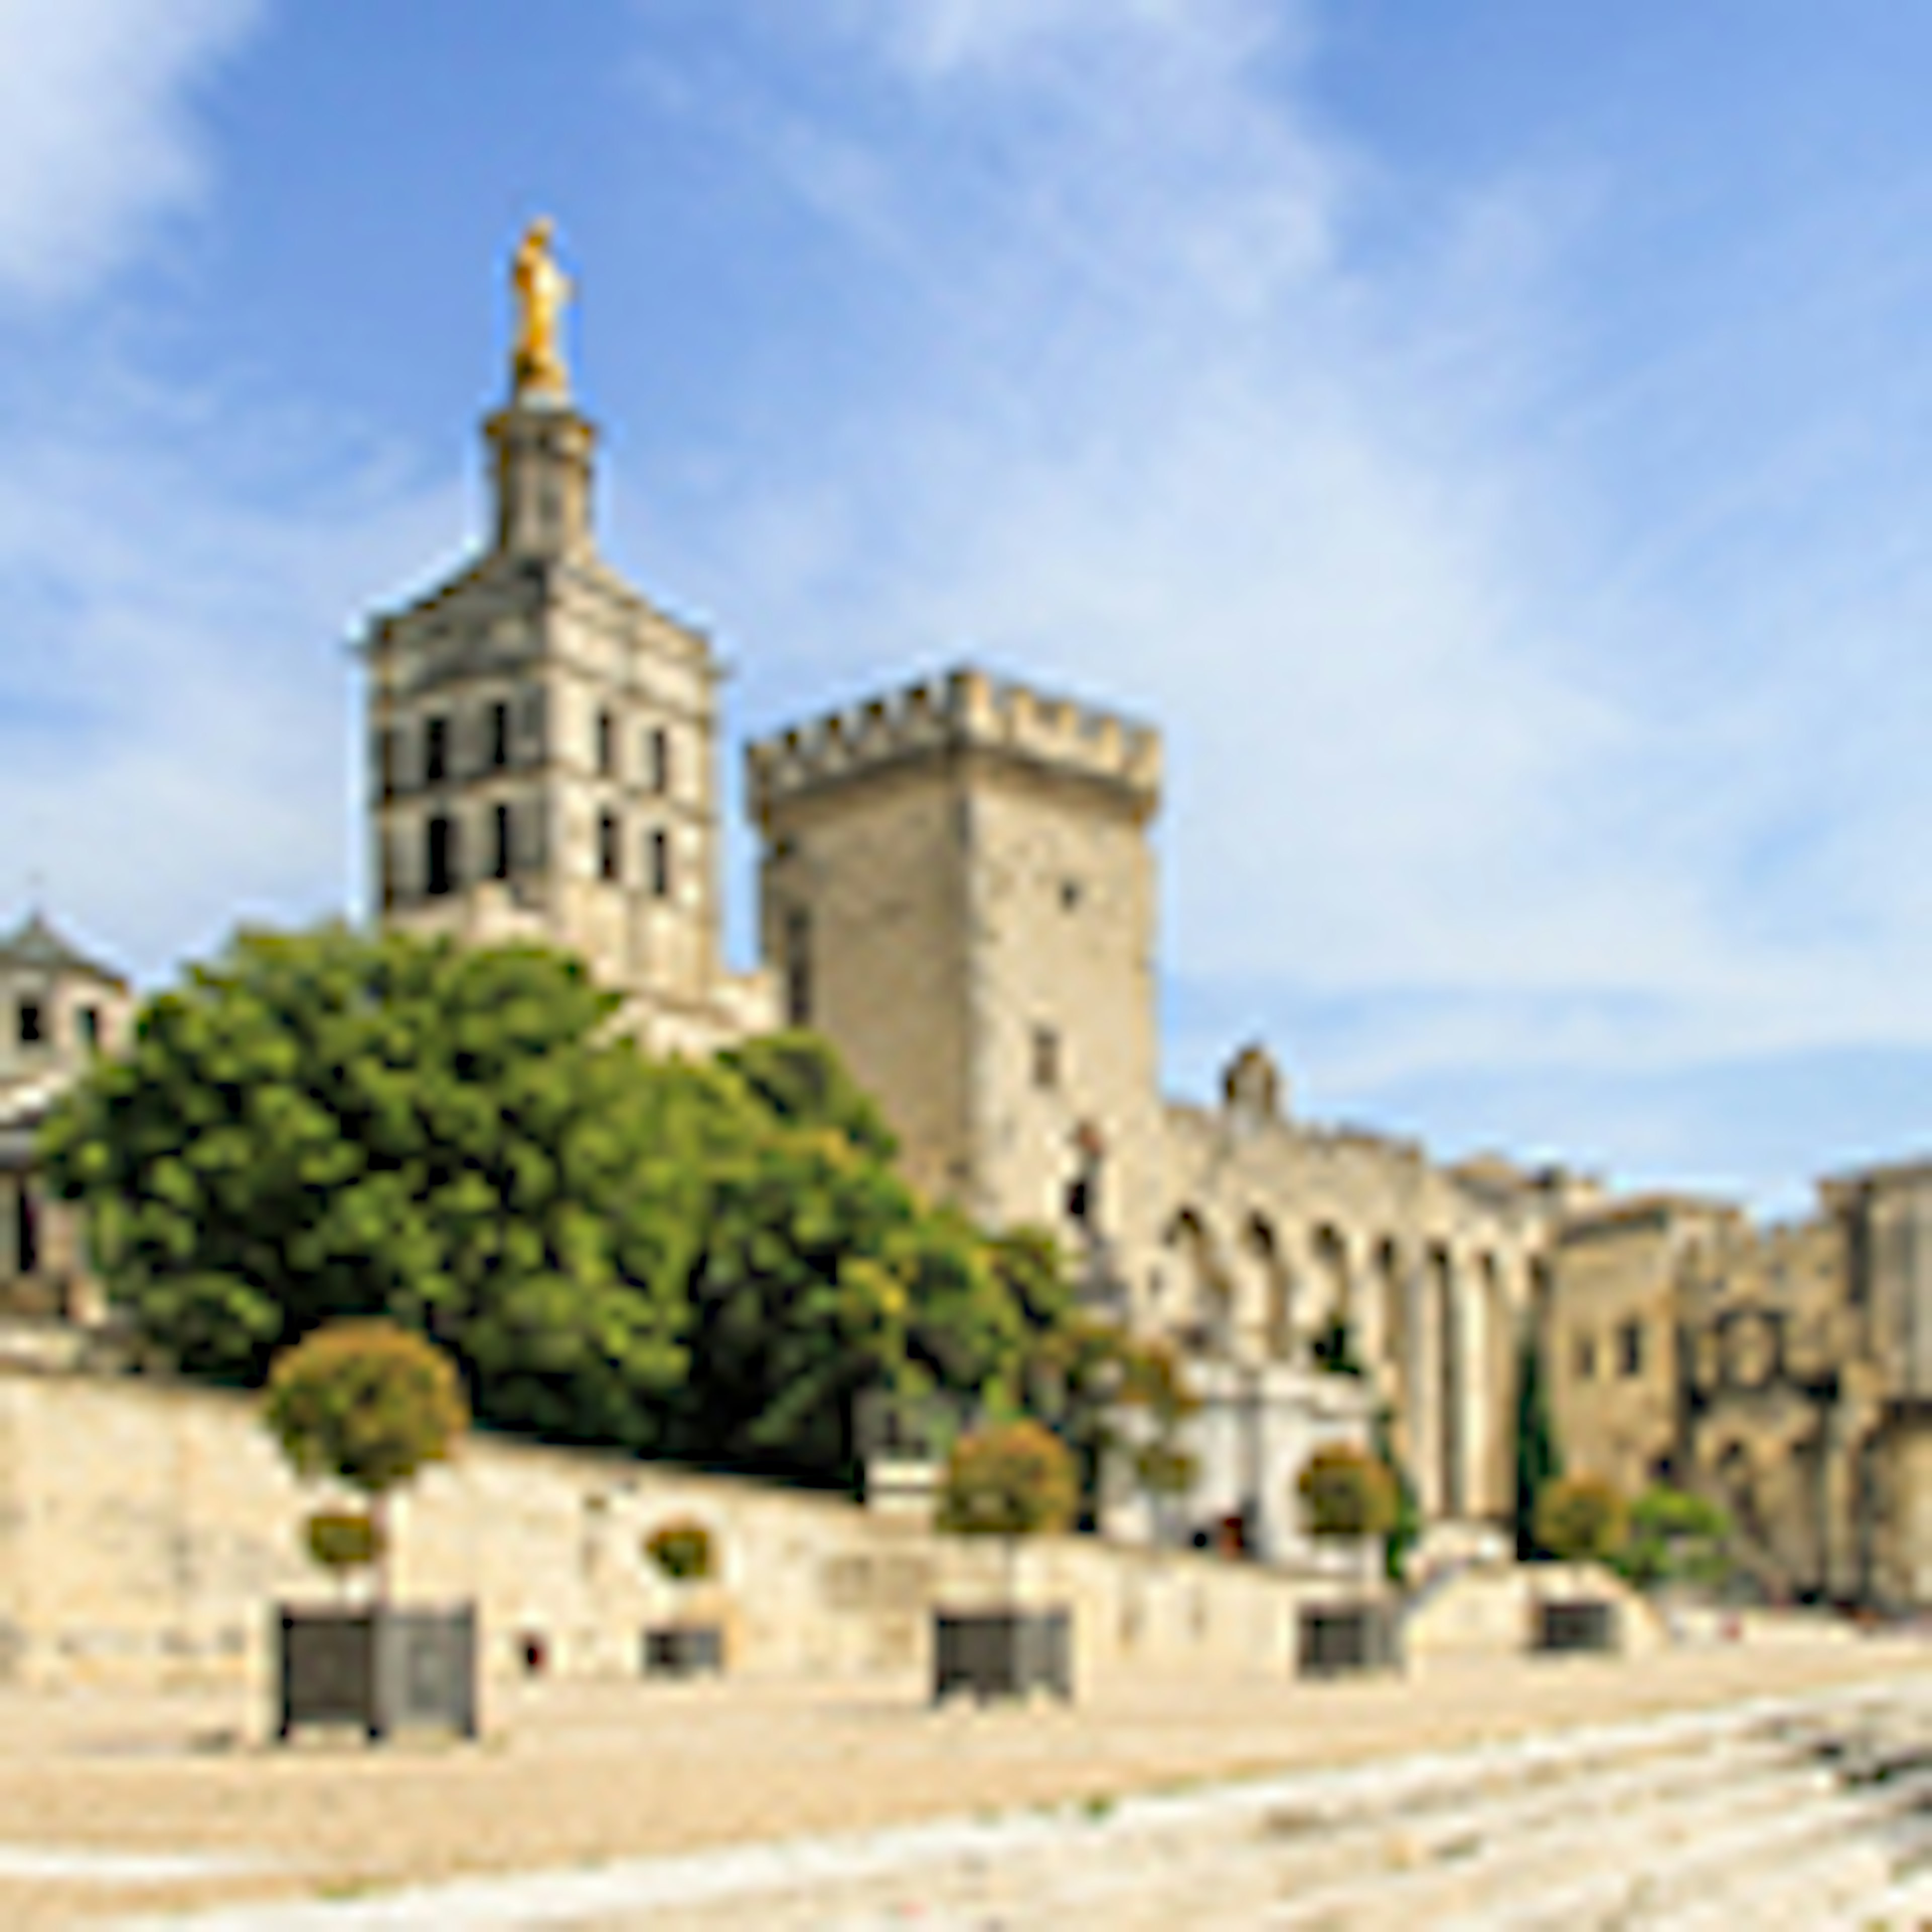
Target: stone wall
(147, 1528)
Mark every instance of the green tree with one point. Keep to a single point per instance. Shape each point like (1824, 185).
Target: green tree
(712, 1261)
(369, 1404)
(798, 1076)
(1152, 1382)
(1582, 1519)
(1405, 1532)
(1675, 1537)
(330, 1125)
(1347, 1492)
(1014, 1479)
(1539, 1461)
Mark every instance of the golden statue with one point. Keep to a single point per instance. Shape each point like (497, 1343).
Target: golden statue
(542, 290)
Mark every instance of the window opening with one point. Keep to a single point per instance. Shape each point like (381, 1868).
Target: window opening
(798, 966)
(440, 857)
(502, 854)
(1045, 1058)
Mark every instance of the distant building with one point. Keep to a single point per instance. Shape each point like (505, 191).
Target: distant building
(59, 1009)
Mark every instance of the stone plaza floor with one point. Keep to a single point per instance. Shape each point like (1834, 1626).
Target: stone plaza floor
(713, 1804)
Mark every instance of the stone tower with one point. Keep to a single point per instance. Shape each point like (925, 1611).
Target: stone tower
(542, 737)
(957, 890)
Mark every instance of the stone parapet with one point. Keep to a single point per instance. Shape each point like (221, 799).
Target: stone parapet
(966, 709)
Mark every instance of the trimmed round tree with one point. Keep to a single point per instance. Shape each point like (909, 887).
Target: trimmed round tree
(1010, 1480)
(369, 1403)
(1347, 1494)
(1013, 1479)
(1582, 1519)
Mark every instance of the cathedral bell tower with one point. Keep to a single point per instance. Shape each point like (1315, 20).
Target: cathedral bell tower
(541, 736)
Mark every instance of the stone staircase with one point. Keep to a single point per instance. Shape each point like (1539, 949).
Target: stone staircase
(1814, 1813)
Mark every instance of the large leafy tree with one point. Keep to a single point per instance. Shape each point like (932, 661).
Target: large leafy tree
(331, 1125)
(706, 1260)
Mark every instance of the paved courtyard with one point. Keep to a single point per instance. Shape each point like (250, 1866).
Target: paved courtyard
(117, 1808)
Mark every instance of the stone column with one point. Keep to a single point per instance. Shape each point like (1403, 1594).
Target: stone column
(1422, 1380)
(1452, 1341)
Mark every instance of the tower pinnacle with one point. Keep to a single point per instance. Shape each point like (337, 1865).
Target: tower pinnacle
(537, 368)
(541, 447)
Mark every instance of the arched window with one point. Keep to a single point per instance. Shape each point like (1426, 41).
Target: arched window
(609, 861)
(660, 864)
(606, 745)
(657, 759)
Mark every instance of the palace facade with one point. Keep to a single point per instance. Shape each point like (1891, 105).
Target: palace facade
(957, 887)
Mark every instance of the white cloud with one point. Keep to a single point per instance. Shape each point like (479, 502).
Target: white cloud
(176, 702)
(1193, 433)
(95, 138)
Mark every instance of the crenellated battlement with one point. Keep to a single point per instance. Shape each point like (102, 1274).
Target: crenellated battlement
(966, 709)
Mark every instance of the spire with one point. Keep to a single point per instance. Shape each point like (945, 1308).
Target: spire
(540, 447)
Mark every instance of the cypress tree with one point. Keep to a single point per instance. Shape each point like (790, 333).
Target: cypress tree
(1539, 1461)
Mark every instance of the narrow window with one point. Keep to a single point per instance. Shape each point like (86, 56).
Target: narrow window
(606, 745)
(87, 1027)
(500, 737)
(657, 759)
(1586, 1358)
(386, 759)
(1045, 1058)
(436, 751)
(1069, 895)
(660, 864)
(1630, 1348)
(798, 966)
(608, 863)
(391, 889)
(500, 852)
(31, 1033)
(440, 857)
(26, 1231)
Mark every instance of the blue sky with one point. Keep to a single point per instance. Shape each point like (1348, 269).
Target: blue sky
(1492, 441)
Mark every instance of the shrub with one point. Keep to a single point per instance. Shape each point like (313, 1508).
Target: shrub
(343, 1539)
(1581, 1518)
(1015, 1479)
(682, 1550)
(1347, 1492)
(1675, 1537)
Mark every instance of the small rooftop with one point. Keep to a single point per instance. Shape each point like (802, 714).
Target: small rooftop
(37, 945)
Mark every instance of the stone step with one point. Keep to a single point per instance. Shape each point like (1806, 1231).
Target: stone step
(1797, 1864)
